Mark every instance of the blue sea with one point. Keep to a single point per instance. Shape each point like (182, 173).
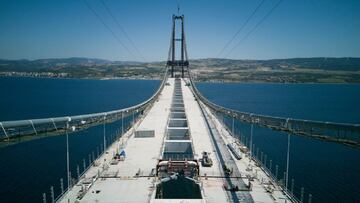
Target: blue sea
(328, 171)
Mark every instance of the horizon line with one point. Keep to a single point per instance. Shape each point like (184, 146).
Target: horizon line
(155, 61)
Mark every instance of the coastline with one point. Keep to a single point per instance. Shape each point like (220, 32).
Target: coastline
(80, 78)
(199, 81)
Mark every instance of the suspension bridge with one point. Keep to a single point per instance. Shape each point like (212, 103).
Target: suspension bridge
(177, 148)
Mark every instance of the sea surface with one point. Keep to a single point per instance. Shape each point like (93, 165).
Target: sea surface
(328, 171)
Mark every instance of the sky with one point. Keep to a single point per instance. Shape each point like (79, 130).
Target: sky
(69, 28)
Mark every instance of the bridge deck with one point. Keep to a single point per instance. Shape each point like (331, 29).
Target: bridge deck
(132, 180)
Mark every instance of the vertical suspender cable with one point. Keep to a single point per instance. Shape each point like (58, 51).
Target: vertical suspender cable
(251, 140)
(104, 133)
(122, 123)
(67, 153)
(287, 156)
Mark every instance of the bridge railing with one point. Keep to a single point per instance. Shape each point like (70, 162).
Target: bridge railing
(23, 130)
(344, 133)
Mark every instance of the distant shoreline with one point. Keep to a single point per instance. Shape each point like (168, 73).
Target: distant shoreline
(210, 82)
(280, 71)
(280, 83)
(77, 78)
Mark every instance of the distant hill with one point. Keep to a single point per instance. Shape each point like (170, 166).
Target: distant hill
(323, 63)
(293, 70)
(77, 67)
(30, 65)
(342, 64)
(316, 70)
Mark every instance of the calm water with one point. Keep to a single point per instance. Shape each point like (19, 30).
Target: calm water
(23, 98)
(330, 172)
(326, 170)
(29, 169)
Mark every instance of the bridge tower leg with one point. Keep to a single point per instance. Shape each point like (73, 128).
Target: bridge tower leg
(172, 62)
(182, 46)
(172, 46)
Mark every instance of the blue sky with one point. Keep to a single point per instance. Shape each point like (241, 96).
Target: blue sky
(68, 28)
